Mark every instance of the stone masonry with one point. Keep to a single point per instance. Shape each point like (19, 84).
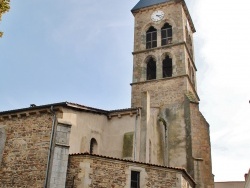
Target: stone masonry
(187, 141)
(103, 172)
(26, 149)
(163, 129)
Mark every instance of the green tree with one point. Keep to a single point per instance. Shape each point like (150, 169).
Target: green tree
(4, 7)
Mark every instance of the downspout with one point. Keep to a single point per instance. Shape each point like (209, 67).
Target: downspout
(50, 147)
(135, 132)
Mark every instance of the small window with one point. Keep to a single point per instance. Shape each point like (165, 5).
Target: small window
(151, 69)
(151, 38)
(135, 179)
(93, 146)
(166, 34)
(167, 69)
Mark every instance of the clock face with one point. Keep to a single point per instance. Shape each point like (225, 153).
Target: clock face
(157, 16)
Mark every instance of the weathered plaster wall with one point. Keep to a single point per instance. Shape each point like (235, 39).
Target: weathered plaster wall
(168, 97)
(156, 136)
(93, 171)
(108, 131)
(85, 126)
(114, 132)
(26, 150)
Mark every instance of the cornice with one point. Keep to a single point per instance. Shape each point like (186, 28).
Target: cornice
(169, 78)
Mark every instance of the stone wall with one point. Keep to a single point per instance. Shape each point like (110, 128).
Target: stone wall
(26, 149)
(167, 96)
(162, 93)
(180, 48)
(201, 148)
(96, 171)
(173, 15)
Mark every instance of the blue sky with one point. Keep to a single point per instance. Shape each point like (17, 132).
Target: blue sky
(80, 51)
(66, 52)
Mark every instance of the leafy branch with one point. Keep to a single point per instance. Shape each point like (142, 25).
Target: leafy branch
(4, 7)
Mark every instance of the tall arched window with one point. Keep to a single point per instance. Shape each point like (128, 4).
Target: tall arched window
(151, 69)
(151, 38)
(167, 68)
(93, 146)
(166, 34)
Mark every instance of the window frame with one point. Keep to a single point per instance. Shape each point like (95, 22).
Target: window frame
(151, 69)
(93, 147)
(166, 34)
(151, 38)
(167, 67)
(137, 180)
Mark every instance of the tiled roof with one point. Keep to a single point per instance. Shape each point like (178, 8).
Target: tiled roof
(147, 3)
(69, 105)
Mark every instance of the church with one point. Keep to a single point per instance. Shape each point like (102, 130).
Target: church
(162, 140)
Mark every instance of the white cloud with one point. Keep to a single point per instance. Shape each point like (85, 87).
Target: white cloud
(224, 30)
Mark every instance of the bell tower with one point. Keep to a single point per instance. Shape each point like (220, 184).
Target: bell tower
(164, 85)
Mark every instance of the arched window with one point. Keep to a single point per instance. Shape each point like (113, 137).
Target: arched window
(151, 38)
(167, 68)
(151, 69)
(166, 34)
(93, 146)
